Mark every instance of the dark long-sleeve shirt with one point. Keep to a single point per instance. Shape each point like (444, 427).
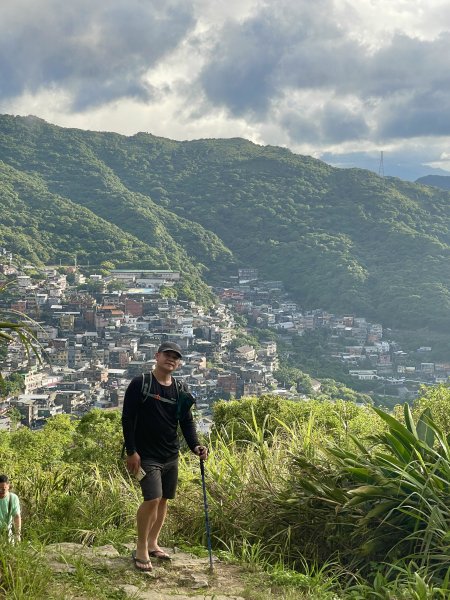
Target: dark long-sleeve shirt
(150, 427)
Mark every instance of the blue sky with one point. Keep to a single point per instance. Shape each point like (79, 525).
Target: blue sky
(339, 80)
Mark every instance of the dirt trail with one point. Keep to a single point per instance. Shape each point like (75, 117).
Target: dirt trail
(183, 578)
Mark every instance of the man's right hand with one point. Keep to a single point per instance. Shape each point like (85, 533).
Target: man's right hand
(133, 463)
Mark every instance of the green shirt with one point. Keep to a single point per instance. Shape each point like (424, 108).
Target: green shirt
(8, 510)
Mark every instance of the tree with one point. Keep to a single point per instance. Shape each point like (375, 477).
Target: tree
(115, 285)
(97, 438)
(12, 385)
(15, 417)
(70, 278)
(243, 339)
(167, 292)
(107, 265)
(290, 376)
(437, 399)
(92, 286)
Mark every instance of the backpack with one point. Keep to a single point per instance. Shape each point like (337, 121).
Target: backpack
(184, 399)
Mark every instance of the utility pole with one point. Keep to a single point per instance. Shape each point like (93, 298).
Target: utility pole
(381, 165)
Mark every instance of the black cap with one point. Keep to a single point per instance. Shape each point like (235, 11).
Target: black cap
(170, 347)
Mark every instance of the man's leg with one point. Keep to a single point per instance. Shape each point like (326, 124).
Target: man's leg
(169, 480)
(155, 529)
(147, 514)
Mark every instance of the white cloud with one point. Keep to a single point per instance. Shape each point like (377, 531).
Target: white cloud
(330, 78)
(96, 52)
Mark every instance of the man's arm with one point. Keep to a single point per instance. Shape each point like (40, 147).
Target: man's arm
(16, 517)
(129, 416)
(187, 425)
(17, 523)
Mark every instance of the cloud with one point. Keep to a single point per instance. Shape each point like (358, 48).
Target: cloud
(240, 74)
(308, 118)
(291, 49)
(281, 45)
(416, 114)
(94, 51)
(330, 78)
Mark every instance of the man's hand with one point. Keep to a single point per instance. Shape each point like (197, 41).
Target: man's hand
(201, 452)
(133, 463)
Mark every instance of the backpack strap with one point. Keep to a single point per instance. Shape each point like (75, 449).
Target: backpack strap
(9, 515)
(183, 401)
(147, 379)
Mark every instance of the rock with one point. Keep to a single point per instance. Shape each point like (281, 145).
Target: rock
(70, 548)
(59, 567)
(199, 583)
(177, 579)
(62, 556)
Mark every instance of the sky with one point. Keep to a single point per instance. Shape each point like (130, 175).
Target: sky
(356, 83)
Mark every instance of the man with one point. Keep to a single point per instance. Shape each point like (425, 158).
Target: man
(149, 423)
(10, 518)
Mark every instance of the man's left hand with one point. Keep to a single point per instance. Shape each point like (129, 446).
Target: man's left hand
(201, 452)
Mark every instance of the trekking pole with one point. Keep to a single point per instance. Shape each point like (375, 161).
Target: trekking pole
(205, 504)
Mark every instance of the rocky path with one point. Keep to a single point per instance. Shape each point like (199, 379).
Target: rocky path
(183, 578)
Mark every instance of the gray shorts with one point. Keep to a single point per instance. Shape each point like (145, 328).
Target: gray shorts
(160, 480)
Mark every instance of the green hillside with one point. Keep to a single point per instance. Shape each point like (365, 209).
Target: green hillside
(77, 207)
(344, 240)
(439, 181)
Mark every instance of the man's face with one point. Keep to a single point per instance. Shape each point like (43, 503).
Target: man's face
(168, 361)
(4, 489)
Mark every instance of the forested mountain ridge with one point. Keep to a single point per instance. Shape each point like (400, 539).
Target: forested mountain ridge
(439, 181)
(75, 207)
(345, 240)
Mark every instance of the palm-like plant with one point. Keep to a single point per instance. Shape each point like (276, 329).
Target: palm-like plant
(393, 498)
(16, 326)
(404, 499)
(10, 331)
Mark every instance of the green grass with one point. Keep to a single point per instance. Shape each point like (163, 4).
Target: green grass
(306, 518)
(23, 576)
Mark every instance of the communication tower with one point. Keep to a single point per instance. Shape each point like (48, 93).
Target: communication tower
(381, 165)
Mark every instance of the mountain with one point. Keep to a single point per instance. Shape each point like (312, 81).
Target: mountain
(342, 239)
(77, 208)
(439, 181)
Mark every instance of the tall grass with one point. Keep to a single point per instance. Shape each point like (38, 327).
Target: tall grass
(23, 574)
(78, 504)
(280, 497)
(248, 482)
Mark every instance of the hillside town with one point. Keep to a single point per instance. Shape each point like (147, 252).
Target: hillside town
(99, 331)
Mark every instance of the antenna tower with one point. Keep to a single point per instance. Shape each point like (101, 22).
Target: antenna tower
(381, 165)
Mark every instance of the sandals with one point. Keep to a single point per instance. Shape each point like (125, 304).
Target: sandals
(146, 564)
(160, 554)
